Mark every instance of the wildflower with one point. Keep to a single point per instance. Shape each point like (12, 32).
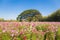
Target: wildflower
(34, 30)
(33, 25)
(21, 32)
(12, 35)
(12, 31)
(25, 38)
(42, 33)
(16, 32)
(4, 30)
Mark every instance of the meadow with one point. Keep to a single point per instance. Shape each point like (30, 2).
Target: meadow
(29, 30)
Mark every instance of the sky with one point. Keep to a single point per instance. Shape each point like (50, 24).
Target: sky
(10, 9)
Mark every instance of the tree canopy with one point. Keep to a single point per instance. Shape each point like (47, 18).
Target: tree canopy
(30, 15)
(35, 15)
(55, 16)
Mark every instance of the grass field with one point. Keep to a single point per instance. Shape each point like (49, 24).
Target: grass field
(29, 30)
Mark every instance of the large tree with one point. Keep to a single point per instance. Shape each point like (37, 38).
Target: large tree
(54, 16)
(30, 15)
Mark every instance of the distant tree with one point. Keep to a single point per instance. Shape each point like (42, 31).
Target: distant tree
(10, 20)
(1, 19)
(30, 15)
(54, 16)
(44, 18)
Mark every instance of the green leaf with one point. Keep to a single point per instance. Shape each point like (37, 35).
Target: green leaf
(18, 38)
(28, 36)
(6, 37)
(34, 37)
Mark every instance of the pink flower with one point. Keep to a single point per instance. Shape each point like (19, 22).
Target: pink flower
(16, 32)
(42, 33)
(12, 31)
(21, 32)
(4, 31)
(34, 30)
(12, 35)
(33, 25)
(25, 38)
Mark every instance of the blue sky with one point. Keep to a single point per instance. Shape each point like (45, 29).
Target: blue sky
(10, 9)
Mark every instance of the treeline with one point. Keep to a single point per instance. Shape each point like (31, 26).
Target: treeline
(55, 16)
(3, 20)
(35, 15)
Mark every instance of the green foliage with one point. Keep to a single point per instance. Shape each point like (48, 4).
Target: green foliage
(1, 19)
(44, 18)
(35, 15)
(30, 15)
(34, 37)
(58, 34)
(6, 36)
(54, 16)
(42, 27)
(49, 36)
(19, 37)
